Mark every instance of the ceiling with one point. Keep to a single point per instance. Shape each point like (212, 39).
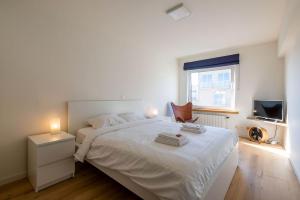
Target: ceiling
(214, 24)
(143, 25)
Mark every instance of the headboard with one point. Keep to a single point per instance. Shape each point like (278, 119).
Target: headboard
(80, 111)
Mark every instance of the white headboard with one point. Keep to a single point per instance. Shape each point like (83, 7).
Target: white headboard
(80, 111)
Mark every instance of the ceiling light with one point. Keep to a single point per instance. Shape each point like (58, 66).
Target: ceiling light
(178, 12)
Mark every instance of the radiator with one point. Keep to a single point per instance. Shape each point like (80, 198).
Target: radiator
(211, 119)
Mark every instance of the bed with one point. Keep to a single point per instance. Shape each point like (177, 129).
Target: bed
(202, 169)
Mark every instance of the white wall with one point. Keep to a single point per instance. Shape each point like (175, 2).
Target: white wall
(55, 51)
(289, 45)
(261, 77)
(293, 96)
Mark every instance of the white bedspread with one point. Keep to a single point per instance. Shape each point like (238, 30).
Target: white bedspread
(169, 172)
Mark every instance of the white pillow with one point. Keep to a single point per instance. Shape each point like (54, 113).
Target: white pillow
(105, 120)
(130, 117)
(83, 133)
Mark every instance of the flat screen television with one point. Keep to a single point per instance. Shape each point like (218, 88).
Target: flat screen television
(270, 110)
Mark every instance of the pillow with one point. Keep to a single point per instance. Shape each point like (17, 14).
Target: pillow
(82, 134)
(130, 117)
(105, 120)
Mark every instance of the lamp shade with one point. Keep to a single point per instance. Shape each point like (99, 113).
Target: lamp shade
(55, 125)
(151, 112)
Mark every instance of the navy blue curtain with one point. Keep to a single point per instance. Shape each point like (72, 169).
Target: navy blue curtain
(213, 62)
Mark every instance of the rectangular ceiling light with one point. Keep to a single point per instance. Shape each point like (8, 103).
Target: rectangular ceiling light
(178, 12)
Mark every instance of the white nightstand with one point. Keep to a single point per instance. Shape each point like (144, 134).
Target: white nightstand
(50, 159)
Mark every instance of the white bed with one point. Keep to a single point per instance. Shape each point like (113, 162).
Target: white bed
(202, 169)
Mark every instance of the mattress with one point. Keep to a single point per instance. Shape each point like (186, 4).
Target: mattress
(169, 172)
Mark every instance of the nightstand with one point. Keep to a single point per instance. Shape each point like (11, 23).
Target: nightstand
(50, 159)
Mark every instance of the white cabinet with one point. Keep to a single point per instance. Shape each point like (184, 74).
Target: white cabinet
(50, 159)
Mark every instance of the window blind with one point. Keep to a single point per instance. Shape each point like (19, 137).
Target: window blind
(213, 62)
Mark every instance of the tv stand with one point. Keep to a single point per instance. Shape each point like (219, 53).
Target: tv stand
(264, 119)
(271, 140)
(283, 124)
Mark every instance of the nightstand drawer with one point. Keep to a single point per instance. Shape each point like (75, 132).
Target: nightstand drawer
(52, 172)
(54, 152)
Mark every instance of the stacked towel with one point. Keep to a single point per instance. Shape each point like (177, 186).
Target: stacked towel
(193, 128)
(171, 139)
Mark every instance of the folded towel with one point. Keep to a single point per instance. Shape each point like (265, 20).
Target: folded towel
(172, 143)
(198, 131)
(171, 139)
(192, 126)
(193, 129)
(172, 136)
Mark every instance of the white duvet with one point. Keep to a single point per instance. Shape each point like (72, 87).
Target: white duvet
(169, 172)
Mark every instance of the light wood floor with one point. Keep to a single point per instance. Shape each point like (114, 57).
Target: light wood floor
(263, 173)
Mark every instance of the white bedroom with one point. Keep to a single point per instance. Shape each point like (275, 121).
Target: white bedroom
(149, 99)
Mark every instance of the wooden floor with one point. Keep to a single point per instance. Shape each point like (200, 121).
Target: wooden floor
(263, 173)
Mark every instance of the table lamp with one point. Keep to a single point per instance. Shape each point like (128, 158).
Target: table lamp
(55, 126)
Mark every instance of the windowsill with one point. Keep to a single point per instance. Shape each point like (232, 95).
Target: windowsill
(215, 110)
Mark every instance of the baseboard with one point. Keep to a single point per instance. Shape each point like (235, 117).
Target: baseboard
(13, 178)
(295, 171)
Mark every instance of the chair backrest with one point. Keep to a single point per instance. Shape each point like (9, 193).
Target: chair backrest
(183, 113)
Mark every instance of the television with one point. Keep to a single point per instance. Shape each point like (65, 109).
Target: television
(269, 110)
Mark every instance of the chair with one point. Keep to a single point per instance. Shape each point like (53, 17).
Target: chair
(183, 113)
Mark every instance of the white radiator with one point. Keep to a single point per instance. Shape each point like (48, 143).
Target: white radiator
(211, 119)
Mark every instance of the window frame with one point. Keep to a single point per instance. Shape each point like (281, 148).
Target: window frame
(235, 80)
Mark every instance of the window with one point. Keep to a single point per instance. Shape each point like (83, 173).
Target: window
(224, 79)
(213, 87)
(206, 80)
(219, 98)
